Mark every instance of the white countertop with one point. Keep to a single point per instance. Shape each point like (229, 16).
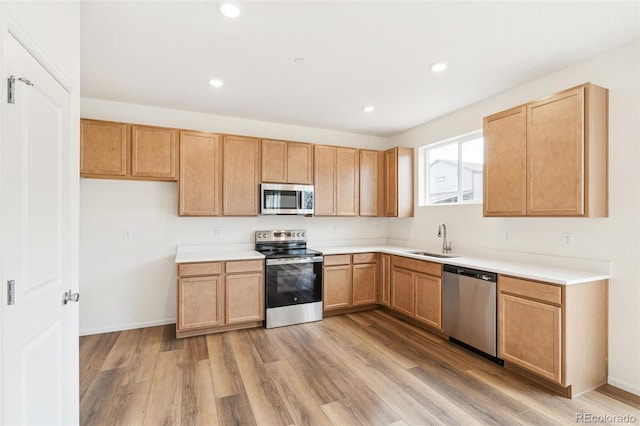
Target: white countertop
(519, 269)
(194, 253)
(534, 271)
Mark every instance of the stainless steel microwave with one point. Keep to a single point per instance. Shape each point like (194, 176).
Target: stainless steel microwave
(276, 198)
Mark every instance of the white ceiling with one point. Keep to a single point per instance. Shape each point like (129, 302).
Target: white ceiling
(163, 53)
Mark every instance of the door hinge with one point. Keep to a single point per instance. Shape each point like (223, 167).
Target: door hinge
(11, 292)
(11, 90)
(11, 87)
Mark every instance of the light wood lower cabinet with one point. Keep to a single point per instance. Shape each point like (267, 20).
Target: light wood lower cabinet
(416, 290)
(403, 295)
(428, 300)
(219, 296)
(384, 292)
(200, 302)
(365, 278)
(337, 287)
(350, 281)
(244, 298)
(558, 333)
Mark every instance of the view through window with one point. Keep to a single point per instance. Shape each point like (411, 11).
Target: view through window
(450, 172)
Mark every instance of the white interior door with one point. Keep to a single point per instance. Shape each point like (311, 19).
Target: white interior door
(39, 333)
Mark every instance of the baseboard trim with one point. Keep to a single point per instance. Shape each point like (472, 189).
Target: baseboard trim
(123, 327)
(624, 385)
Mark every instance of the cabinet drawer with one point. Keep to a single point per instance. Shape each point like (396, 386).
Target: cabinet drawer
(534, 290)
(244, 266)
(418, 265)
(193, 269)
(337, 259)
(365, 258)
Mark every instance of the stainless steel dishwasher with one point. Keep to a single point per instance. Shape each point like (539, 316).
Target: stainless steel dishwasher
(469, 309)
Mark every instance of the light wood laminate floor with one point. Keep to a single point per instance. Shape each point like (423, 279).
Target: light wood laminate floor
(366, 368)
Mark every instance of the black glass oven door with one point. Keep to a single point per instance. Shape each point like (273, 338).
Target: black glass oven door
(293, 283)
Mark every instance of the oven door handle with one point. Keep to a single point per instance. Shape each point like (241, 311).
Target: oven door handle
(292, 260)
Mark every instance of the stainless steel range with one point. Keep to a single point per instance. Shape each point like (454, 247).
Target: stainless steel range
(293, 278)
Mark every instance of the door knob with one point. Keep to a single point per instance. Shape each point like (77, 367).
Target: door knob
(68, 296)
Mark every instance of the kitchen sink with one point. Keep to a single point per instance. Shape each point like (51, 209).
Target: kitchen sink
(440, 255)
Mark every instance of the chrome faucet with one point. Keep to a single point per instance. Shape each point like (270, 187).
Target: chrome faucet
(442, 232)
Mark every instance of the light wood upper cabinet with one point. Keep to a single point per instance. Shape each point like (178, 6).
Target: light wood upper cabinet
(111, 150)
(300, 163)
(398, 182)
(287, 162)
(347, 167)
(274, 161)
(566, 159)
(153, 152)
(325, 180)
(505, 159)
(241, 176)
(104, 148)
(199, 188)
(371, 191)
(336, 181)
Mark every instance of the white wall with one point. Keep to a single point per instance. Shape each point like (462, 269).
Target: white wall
(129, 283)
(615, 239)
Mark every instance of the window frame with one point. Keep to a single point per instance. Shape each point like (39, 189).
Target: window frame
(423, 169)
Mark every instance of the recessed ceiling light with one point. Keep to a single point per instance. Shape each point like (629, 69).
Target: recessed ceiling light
(216, 83)
(368, 108)
(230, 10)
(438, 67)
(299, 61)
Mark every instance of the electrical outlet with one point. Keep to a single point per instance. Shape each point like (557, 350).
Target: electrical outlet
(216, 231)
(334, 228)
(126, 234)
(505, 235)
(378, 227)
(567, 238)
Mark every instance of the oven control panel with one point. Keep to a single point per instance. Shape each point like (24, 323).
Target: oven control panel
(289, 235)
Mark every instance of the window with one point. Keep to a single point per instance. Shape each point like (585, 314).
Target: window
(450, 172)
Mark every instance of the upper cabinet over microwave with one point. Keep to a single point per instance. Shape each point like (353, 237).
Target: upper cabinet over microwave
(549, 157)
